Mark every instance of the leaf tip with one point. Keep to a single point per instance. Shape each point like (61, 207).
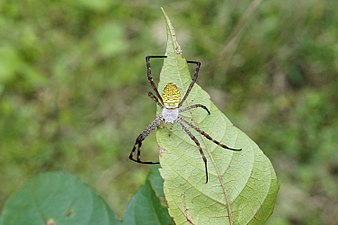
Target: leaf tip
(171, 35)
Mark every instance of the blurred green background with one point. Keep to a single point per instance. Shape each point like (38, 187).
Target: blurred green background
(73, 90)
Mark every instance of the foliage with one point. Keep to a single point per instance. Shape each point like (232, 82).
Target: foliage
(71, 99)
(60, 198)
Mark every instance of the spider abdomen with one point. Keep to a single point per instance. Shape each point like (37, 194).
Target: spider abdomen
(171, 96)
(170, 115)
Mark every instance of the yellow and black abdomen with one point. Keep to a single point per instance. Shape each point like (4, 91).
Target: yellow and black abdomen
(171, 96)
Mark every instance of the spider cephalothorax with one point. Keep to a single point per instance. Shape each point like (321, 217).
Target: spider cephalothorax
(170, 103)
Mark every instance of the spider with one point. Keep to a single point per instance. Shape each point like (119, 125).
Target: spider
(170, 103)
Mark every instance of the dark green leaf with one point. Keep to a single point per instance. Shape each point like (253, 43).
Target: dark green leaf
(156, 181)
(56, 198)
(145, 208)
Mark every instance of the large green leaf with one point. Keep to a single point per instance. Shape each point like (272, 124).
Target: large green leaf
(56, 198)
(243, 185)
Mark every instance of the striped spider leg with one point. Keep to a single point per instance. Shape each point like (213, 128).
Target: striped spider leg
(183, 122)
(140, 138)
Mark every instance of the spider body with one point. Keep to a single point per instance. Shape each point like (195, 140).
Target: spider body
(171, 99)
(170, 102)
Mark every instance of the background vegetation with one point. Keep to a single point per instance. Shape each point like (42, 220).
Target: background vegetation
(73, 90)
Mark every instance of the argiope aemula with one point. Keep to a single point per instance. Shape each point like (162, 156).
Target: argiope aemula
(170, 103)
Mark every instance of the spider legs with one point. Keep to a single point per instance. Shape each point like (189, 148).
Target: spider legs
(181, 121)
(194, 79)
(150, 78)
(171, 126)
(207, 135)
(186, 130)
(153, 85)
(195, 106)
(140, 138)
(155, 99)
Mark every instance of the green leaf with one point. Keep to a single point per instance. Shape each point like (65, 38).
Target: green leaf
(56, 198)
(145, 207)
(242, 186)
(156, 181)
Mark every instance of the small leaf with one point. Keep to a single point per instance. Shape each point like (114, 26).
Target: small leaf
(145, 207)
(156, 181)
(242, 185)
(56, 198)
